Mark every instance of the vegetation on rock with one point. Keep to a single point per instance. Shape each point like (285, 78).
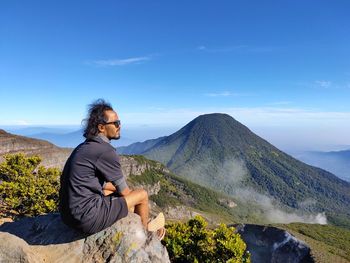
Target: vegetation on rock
(27, 188)
(193, 242)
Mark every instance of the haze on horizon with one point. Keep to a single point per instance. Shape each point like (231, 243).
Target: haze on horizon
(282, 69)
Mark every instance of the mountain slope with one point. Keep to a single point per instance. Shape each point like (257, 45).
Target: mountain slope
(139, 147)
(215, 150)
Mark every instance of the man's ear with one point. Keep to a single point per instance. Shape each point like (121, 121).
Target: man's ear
(101, 127)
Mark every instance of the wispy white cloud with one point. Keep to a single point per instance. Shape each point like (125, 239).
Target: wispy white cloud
(21, 122)
(323, 83)
(277, 103)
(263, 49)
(120, 62)
(234, 48)
(156, 108)
(220, 94)
(221, 49)
(8, 122)
(227, 94)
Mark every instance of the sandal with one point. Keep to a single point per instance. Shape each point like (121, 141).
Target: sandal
(157, 223)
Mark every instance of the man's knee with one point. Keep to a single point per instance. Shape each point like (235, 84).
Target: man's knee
(136, 197)
(143, 194)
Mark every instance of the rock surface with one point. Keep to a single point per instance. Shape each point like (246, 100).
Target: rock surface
(181, 213)
(273, 245)
(46, 239)
(131, 166)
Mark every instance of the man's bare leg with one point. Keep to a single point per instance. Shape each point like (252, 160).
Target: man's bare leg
(138, 200)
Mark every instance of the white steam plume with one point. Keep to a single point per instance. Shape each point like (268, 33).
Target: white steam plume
(232, 172)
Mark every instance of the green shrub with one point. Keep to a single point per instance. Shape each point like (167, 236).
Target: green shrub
(27, 188)
(193, 242)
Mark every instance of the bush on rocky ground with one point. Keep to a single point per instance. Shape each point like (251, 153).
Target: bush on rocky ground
(27, 189)
(193, 242)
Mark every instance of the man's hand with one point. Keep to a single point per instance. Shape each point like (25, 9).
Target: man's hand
(110, 189)
(107, 192)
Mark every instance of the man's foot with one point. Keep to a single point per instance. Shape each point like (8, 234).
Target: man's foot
(156, 223)
(161, 233)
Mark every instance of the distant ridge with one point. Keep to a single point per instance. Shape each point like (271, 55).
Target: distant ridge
(337, 162)
(217, 151)
(51, 155)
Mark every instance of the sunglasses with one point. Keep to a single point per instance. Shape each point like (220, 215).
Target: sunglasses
(116, 123)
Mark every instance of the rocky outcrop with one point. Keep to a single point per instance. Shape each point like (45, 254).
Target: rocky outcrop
(151, 189)
(273, 245)
(227, 202)
(181, 213)
(46, 239)
(132, 166)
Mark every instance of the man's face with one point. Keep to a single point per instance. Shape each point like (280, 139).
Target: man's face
(110, 130)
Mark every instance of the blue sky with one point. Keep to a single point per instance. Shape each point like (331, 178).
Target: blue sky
(279, 67)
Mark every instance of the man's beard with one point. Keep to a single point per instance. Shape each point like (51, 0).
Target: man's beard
(115, 138)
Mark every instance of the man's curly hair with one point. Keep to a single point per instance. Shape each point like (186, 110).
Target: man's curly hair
(96, 116)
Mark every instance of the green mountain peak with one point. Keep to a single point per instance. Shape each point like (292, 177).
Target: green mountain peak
(217, 151)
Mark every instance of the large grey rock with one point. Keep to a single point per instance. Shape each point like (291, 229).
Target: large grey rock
(269, 244)
(46, 239)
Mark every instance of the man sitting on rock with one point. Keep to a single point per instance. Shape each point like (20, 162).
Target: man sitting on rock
(94, 193)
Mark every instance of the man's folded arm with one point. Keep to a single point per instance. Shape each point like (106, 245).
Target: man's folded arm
(110, 169)
(118, 186)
